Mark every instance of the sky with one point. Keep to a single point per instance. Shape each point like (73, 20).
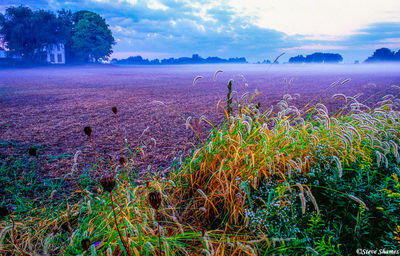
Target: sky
(255, 29)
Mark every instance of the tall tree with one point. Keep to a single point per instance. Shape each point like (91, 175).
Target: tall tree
(65, 18)
(46, 30)
(15, 26)
(28, 33)
(92, 39)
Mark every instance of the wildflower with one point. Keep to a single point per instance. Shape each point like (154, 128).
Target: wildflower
(114, 110)
(108, 182)
(85, 244)
(87, 130)
(155, 199)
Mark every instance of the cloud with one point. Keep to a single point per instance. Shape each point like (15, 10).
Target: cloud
(316, 47)
(375, 35)
(255, 29)
(311, 17)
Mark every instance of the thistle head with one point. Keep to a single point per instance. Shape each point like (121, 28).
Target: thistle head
(114, 110)
(108, 182)
(66, 226)
(32, 152)
(85, 243)
(87, 130)
(155, 199)
(122, 161)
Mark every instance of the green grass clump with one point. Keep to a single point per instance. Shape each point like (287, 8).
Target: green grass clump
(22, 183)
(286, 181)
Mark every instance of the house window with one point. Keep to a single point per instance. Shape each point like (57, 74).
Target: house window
(52, 58)
(58, 47)
(59, 58)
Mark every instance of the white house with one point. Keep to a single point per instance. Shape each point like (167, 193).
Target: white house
(56, 54)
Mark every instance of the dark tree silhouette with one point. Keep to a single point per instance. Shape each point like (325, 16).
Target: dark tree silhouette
(317, 57)
(297, 59)
(195, 59)
(382, 54)
(27, 33)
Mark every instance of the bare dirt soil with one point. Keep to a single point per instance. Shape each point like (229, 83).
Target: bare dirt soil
(50, 106)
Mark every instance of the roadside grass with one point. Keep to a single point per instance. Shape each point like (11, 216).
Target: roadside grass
(284, 181)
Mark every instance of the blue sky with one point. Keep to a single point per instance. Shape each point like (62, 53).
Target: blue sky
(255, 29)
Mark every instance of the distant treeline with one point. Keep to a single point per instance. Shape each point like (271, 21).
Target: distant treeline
(195, 59)
(380, 55)
(317, 57)
(383, 54)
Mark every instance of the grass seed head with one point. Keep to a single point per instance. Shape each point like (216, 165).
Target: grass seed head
(85, 244)
(87, 130)
(108, 182)
(114, 110)
(155, 199)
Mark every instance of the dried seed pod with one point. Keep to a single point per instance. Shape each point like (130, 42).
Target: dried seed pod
(66, 226)
(155, 199)
(108, 182)
(4, 211)
(85, 244)
(32, 151)
(122, 161)
(87, 130)
(114, 110)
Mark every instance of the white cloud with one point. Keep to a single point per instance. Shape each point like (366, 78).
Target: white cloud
(132, 2)
(156, 5)
(316, 47)
(318, 17)
(390, 40)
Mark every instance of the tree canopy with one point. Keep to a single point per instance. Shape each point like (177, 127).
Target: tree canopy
(27, 33)
(195, 59)
(92, 40)
(383, 54)
(317, 57)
